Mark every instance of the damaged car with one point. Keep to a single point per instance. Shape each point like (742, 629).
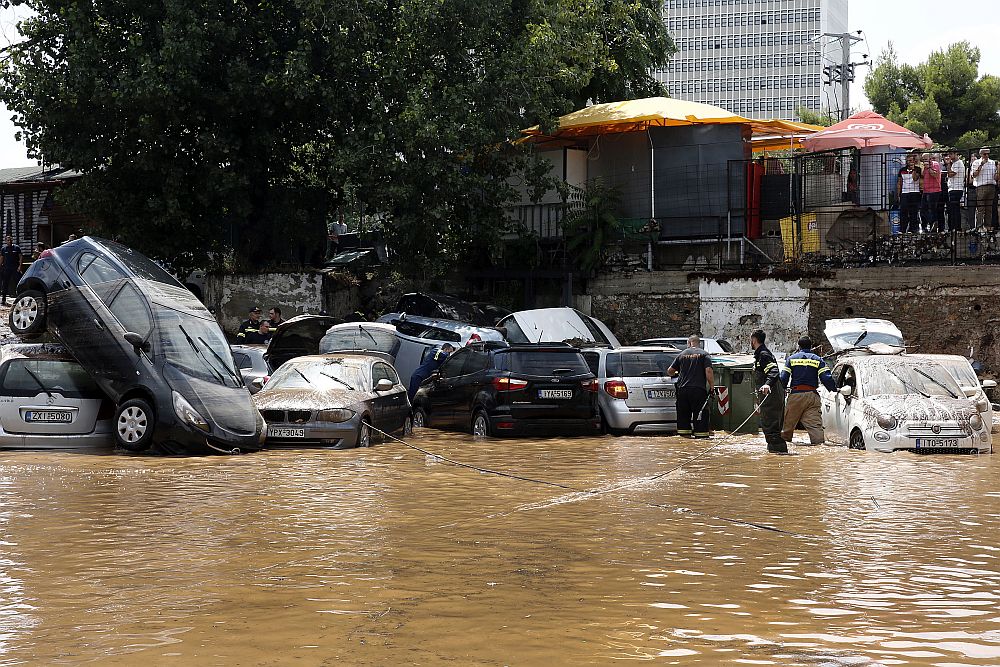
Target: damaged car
(338, 401)
(147, 342)
(893, 402)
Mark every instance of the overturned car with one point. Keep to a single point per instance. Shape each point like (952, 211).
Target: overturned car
(147, 342)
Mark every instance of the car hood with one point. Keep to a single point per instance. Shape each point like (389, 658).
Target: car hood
(553, 325)
(842, 333)
(912, 407)
(228, 408)
(296, 398)
(297, 337)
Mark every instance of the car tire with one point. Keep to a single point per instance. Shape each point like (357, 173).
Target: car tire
(364, 434)
(419, 419)
(134, 423)
(408, 427)
(857, 440)
(607, 430)
(27, 315)
(481, 427)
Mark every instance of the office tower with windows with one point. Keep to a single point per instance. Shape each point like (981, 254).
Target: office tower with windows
(756, 58)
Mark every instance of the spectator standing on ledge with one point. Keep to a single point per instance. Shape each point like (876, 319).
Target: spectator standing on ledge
(984, 177)
(695, 380)
(956, 185)
(932, 192)
(249, 331)
(908, 194)
(802, 373)
(10, 266)
(770, 393)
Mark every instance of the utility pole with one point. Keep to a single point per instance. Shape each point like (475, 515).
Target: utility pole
(844, 72)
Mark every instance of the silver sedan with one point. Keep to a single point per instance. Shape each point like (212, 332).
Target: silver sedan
(339, 400)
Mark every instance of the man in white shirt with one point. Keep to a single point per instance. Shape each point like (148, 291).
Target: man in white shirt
(984, 177)
(956, 186)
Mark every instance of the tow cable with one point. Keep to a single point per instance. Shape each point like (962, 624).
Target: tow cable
(590, 493)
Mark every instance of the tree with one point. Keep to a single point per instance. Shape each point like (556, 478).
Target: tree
(821, 118)
(944, 96)
(225, 123)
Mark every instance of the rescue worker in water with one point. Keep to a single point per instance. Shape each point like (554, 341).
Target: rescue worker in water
(770, 393)
(431, 363)
(803, 373)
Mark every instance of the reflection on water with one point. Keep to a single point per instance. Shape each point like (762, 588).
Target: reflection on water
(389, 556)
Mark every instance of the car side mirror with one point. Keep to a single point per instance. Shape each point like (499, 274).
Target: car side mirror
(384, 385)
(436, 375)
(989, 384)
(136, 341)
(970, 391)
(846, 391)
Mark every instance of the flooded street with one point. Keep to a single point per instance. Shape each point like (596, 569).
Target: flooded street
(388, 556)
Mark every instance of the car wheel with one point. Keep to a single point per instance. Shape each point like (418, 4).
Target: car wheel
(134, 425)
(608, 430)
(857, 440)
(27, 315)
(419, 418)
(481, 424)
(408, 427)
(364, 434)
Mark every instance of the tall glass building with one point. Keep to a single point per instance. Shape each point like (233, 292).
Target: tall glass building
(756, 58)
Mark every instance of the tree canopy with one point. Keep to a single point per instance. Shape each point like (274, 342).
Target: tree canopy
(227, 123)
(945, 96)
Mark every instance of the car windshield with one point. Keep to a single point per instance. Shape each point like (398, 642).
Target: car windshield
(34, 376)
(639, 364)
(961, 370)
(927, 379)
(196, 346)
(725, 345)
(569, 362)
(140, 265)
(320, 374)
(862, 338)
(356, 337)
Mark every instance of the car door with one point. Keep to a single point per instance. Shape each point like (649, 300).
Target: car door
(442, 394)
(391, 406)
(838, 415)
(468, 384)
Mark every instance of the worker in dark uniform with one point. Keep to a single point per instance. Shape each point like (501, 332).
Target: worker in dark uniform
(770, 394)
(693, 368)
(249, 331)
(431, 363)
(803, 373)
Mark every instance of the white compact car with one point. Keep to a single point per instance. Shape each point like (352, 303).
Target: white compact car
(889, 402)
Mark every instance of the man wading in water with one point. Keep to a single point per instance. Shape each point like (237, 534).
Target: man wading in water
(695, 369)
(770, 394)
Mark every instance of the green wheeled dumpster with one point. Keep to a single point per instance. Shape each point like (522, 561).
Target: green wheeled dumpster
(734, 402)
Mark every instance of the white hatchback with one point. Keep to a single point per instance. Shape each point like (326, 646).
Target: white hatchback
(890, 402)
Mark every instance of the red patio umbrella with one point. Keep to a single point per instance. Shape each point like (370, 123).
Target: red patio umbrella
(863, 130)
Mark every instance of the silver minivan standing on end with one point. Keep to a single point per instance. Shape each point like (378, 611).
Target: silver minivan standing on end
(634, 393)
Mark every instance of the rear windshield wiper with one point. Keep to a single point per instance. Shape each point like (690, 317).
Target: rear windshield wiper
(41, 385)
(368, 333)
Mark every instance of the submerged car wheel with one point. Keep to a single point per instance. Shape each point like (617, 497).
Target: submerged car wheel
(27, 315)
(134, 425)
(364, 434)
(481, 424)
(857, 440)
(419, 418)
(408, 427)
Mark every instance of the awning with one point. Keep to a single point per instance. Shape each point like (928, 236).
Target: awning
(640, 115)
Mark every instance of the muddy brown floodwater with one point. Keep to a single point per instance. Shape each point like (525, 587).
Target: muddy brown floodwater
(387, 556)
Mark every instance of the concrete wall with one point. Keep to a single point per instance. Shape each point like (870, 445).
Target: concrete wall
(735, 309)
(230, 296)
(643, 305)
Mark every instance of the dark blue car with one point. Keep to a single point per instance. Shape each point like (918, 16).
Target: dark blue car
(151, 346)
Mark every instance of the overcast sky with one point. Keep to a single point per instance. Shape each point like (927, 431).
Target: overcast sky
(916, 27)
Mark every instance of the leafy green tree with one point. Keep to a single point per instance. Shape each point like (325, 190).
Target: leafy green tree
(944, 96)
(230, 124)
(822, 118)
(592, 224)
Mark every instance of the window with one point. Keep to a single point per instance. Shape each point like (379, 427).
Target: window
(129, 308)
(242, 360)
(452, 367)
(546, 362)
(475, 361)
(514, 333)
(359, 338)
(383, 372)
(30, 377)
(593, 360)
(96, 270)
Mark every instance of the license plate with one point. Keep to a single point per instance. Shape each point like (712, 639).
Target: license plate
(937, 442)
(49, 416)
(659, 394)
(285, 432)
(555, 393)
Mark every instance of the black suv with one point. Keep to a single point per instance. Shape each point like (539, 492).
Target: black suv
(492, 388)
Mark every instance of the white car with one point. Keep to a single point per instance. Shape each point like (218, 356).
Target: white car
(556, 325)
(860, 333)
(890, 402)
(710, 345)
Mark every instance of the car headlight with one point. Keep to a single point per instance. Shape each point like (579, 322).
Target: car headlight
(187, 414)
(888, 422)
(336, 415)
(976, 422)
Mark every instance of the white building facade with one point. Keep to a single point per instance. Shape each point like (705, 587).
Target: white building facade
(756, 58)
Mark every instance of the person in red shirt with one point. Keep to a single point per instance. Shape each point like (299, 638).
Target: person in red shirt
(931, 192)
